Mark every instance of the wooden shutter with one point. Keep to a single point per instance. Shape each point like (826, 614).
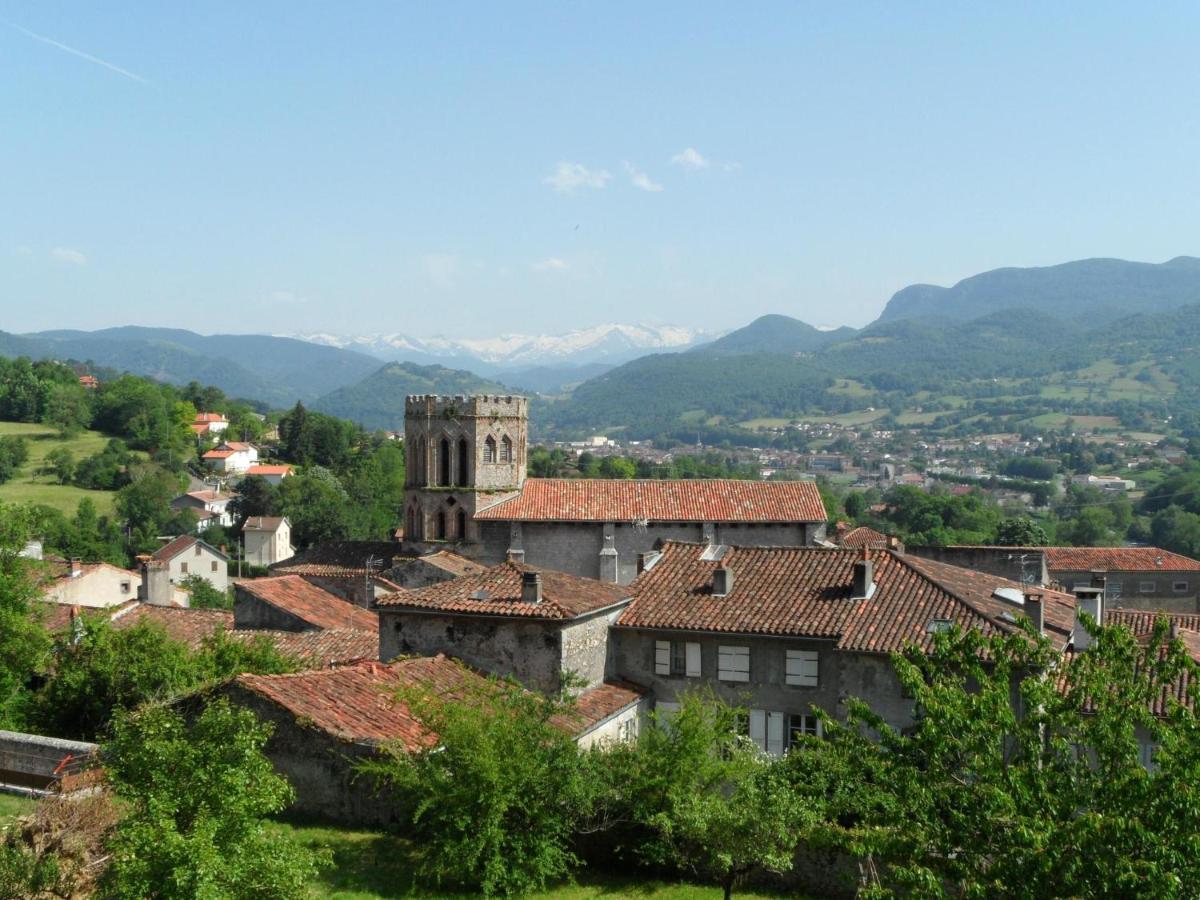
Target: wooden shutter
(758, 728)
(801, 668)
(733, 663)
(775, 733)
(662, 657)
(693, 660)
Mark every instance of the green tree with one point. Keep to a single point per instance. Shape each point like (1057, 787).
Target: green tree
(1021, 531)
(203, 595)
(315, 502)
(145, 505)
(498, 799)
(199, 794)
(709, 800)
(60, 462)
(24, 642)
(68, 408)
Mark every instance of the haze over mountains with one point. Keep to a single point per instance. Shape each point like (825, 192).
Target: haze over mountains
(995, 324)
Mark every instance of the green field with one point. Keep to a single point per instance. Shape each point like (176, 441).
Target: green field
(12, 806)
(28, 486)
(368, 865)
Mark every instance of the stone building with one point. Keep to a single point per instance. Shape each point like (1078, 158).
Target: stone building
(467, 487)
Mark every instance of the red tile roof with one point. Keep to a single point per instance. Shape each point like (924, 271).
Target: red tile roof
(188, 626)
(806, 592)
(263, 523)
(1141, 621)
(209, 417)
(604, 500)
(497, 592)
(451, 563)
(857, 538)
(357, 702)
(218, 454)
(1113, 559)
(334, 559)
(268, 469)
(311, 604)
(184, 542)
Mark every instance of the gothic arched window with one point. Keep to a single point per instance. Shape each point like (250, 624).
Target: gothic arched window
(441, 525)
(420, 472)
(462, 525)
(464, 462)
(506, 449)
(410, 530)
(489, 450)
(444, 463)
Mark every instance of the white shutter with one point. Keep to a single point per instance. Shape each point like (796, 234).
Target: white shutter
(758, 728)
(662, 657)
(733, 663)
(801, 668)
(693, 660)
(775, 733)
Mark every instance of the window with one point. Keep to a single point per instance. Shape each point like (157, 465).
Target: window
(506, 449)
(462, 525)
(677, 658)
(1146, 587)
(183, 568)
(214, 565)
(125, 587)
(441, 525)
(463, 461)
(444, 463)
(1180, 587)
(801, 668)
(733, 663)
(800, 726)
(197, 550)
(489, 450)
(766, 730)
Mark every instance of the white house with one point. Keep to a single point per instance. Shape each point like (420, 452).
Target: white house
(209, 423)
(273, 473)
(187, 555)
(211, 507)
(232, 457)
(92, 584)
(1105, 482)
(267, 540)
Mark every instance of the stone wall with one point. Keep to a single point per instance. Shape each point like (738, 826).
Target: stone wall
(321, 769)
(1005, 562)
(1141, 590)
(35, 761)
(585, 646)
(840, 674)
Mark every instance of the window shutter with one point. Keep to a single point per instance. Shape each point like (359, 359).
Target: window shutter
(693, 660)
(758, 728)
(662, 657)
(775, 733)
(733, 663)
(801, 668)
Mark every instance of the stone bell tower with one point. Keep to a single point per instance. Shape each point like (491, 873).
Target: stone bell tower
(462, 452)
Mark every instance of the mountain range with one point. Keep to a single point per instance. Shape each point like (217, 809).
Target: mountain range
(1004, 324)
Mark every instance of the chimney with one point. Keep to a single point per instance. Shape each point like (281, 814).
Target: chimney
(894, 543)
(156, 588)
(76, 567)
(1036, 612)
(863, 583)
(722, 581)
(531, 587)
(1089, 600)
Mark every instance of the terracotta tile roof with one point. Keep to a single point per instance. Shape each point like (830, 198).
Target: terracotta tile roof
(321, 649)
(209, 417)
(188, 626)
(452, 563)
(862, 536)
(356, 702)
(269, 469)
(497, 592)
(1125, 559)
(184, 542)
(1141, 621)
(604, 500)
(236, 445)
(806, 592)
(263, 523)
(218, 454)
(311, 604)
(340, 559)
(209, 496)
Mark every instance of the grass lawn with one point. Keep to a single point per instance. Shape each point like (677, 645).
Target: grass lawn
(369, 865)
(27, 486)
(12, 806)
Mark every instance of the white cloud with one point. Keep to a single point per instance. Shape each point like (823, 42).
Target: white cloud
(67, 255)
(569, 177)
(640, 179)
(551, 264)
(690, 159)
(95, 60)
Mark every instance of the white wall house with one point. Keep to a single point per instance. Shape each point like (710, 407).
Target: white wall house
(272, 473)
(232, 457)
(188, 555)
(210, 507)
(93, 584)
(267, 540)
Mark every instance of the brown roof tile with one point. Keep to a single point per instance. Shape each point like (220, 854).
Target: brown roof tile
(340, 559)
(307, 602)
(1125, 559)
(188, 626)
(497, 592)
(616, 500)
(806, 592)
(863, 536)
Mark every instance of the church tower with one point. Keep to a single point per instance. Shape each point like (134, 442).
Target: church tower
(462, 454)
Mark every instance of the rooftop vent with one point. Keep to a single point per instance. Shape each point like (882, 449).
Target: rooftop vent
(1009, 595)
(863, 580)
(714, 552)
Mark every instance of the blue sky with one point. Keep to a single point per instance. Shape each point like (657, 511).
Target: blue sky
(471, 168)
